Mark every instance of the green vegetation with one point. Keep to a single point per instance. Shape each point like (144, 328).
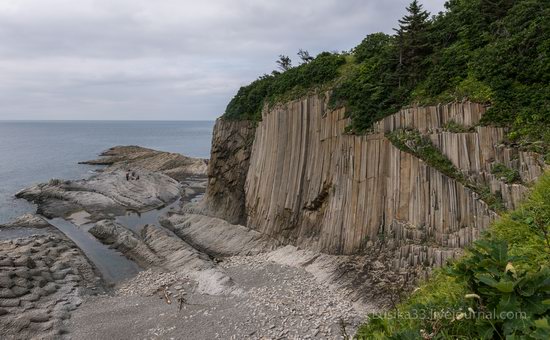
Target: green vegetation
(294, 82)
(505, 173)
(499, 289)
(489, 51)
(413, 142)
(454, 127)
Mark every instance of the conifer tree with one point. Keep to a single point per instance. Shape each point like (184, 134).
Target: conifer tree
(413, 43)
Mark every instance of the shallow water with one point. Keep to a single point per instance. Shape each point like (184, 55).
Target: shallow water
(136, 221)
(113, 266)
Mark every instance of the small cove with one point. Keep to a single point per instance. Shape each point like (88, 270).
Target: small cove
(113, 266)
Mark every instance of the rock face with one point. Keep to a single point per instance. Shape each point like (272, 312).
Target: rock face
(174, 165)
(310, 184)
(475, 150)
(230, 156)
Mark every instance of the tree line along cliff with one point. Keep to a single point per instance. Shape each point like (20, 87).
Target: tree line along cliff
(491, 52)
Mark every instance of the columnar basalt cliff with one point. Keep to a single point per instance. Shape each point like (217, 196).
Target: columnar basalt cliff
(339, 193)
(310, 184)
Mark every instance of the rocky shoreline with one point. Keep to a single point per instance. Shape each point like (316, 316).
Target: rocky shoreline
(201, 277)
(43, 278)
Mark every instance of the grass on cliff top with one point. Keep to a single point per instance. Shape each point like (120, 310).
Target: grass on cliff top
(506, 271)
(413, 142)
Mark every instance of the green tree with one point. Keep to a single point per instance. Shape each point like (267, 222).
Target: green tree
(284, 63)
(305, 56)
(413, 42)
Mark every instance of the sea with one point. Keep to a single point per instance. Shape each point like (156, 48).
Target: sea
(34, 152)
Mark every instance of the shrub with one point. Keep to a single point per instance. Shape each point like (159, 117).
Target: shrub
(507, 270)
(506, 174)
(249, 101)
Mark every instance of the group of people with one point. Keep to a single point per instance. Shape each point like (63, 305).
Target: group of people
(131, 176)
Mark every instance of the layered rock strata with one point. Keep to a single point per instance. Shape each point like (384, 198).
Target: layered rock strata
(174, 165)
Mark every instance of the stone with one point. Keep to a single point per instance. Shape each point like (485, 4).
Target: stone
(6, 293)
(23, 273)
(10, 302)
(49, 288)
(19, 291)
(6, 262)
(6, 281)
(39, 316)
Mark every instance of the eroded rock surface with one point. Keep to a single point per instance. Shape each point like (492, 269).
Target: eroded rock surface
(42, 278)
(227, 170)
(174, 165)
(217, 237)
(104, 194)
(159, 248)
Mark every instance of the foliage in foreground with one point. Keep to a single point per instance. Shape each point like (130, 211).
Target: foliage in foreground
(500, 289)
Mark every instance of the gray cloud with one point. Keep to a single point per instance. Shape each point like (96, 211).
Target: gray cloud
(166, 59)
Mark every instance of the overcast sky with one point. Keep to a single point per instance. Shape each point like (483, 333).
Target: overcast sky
(163, 59)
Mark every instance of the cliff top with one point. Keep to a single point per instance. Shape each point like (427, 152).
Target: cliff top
(470, 51)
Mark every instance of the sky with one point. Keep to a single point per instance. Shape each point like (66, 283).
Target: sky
(163, 59)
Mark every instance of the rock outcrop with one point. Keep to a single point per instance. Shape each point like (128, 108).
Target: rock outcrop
(103, 194)
(217, 237)
(310, 184)
(159, 249)
(229, 162)
(174, 165)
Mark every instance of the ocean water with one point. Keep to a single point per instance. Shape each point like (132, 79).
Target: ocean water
(35, 151)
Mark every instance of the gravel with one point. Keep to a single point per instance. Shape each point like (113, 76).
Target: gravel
(273, 301)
